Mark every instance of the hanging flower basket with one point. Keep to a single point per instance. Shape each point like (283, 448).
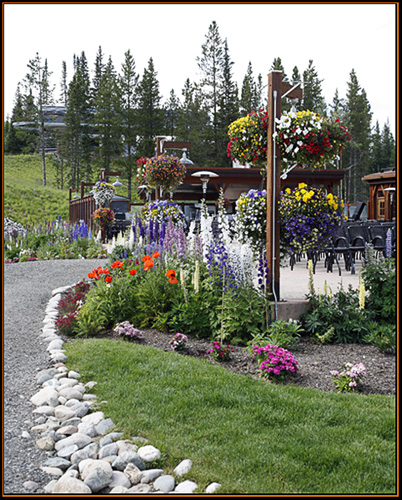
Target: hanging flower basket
(163, 211)
(103, 217)
(248, 139)
(307, 139)
(309, 217)
(164, 171)
(141, 177)
(103, 193)
(251, 218)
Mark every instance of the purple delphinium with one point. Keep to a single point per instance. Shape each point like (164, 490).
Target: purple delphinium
(218, 266)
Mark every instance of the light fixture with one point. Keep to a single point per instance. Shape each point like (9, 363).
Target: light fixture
(204, 176)
(184, 159)
(117, 183)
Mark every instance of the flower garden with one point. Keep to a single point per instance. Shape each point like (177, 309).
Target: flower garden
(200, 292)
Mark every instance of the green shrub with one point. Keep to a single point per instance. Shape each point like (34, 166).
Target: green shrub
(340, 311)
(379, 276)
(280, 333)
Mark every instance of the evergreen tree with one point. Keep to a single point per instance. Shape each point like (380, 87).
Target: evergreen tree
(108, 117)
(192, 122)
(23, 139)
(128, 84)
(375, 149)
(278, 66)
(312, 91)
(388, 149)
(228, 107)
(356, 159)
(171, 111)
(150, 114)
(38, 79)
(76, 142)
(99, 70)
(249, 100)
(211, 64)
(63, 84)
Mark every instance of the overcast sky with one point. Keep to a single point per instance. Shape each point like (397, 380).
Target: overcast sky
(338, 38)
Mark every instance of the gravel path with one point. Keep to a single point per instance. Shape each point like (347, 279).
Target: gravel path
(27, 290)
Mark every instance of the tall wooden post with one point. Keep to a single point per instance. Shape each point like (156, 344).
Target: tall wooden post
(273, 183)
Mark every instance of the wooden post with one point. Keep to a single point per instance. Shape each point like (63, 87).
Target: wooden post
(273, 183)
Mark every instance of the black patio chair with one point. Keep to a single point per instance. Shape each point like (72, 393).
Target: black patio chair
(358, 237)
(378, 236)
(339, 245)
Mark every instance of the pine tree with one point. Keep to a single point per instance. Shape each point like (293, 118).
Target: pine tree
(38, 79)
(171, 110)
(278, 66)
(228, 107)
(108, 117)
(99, 70)
(356, 159)
(211, 64)
(128, 84)
(63, 84)
(192, 122)
(249, 100)
(387, 148)
(312, 91)
(150, 115)
(76, 138)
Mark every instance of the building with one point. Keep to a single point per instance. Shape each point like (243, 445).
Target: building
(382, 203)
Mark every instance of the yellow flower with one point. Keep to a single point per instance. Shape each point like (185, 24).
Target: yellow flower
(302, 185)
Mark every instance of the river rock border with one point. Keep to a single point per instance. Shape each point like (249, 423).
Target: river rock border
(85, 452)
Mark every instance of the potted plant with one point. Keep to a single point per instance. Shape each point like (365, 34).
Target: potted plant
(307, 139)
(103, 193)
(164, 171)
(309, 217)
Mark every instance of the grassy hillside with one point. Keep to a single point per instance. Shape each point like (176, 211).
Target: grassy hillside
(25, 199)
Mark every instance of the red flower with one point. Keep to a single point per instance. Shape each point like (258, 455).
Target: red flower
(148, 264)
(155, 255)
(173, 280)
(133, 272)
(117, 264)
(108, 279)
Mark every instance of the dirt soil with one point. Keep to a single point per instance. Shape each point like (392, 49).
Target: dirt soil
(315, 361)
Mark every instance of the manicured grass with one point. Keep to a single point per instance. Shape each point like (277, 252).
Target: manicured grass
(249, 435)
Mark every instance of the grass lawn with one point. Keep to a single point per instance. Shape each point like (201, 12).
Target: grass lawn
(249, 435)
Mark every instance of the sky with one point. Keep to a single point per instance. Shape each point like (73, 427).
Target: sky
(337, 37)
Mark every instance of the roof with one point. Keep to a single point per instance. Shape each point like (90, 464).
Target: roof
(380, 176)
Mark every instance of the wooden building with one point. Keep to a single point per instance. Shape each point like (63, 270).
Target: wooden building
(382, 203)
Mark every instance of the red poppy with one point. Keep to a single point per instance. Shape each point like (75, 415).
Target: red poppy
(171, 273)
(117, 264)
(145, 258)
(106, 270)
(173, 280)
(155, 255)
(133, 272)
(148, 264)
(108, 279)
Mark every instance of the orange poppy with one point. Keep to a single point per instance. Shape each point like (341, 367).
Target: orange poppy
(106, 271)
(148, 264)
(155, 255)
(145, 258)
(92, 275)
(173, 280)
(108, 279)
(133, 272)
(171, 273)
(117, 264)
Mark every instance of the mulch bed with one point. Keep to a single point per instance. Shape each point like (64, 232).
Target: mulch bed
(315, 361)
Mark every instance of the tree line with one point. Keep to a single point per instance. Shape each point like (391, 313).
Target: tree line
(116, 115)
